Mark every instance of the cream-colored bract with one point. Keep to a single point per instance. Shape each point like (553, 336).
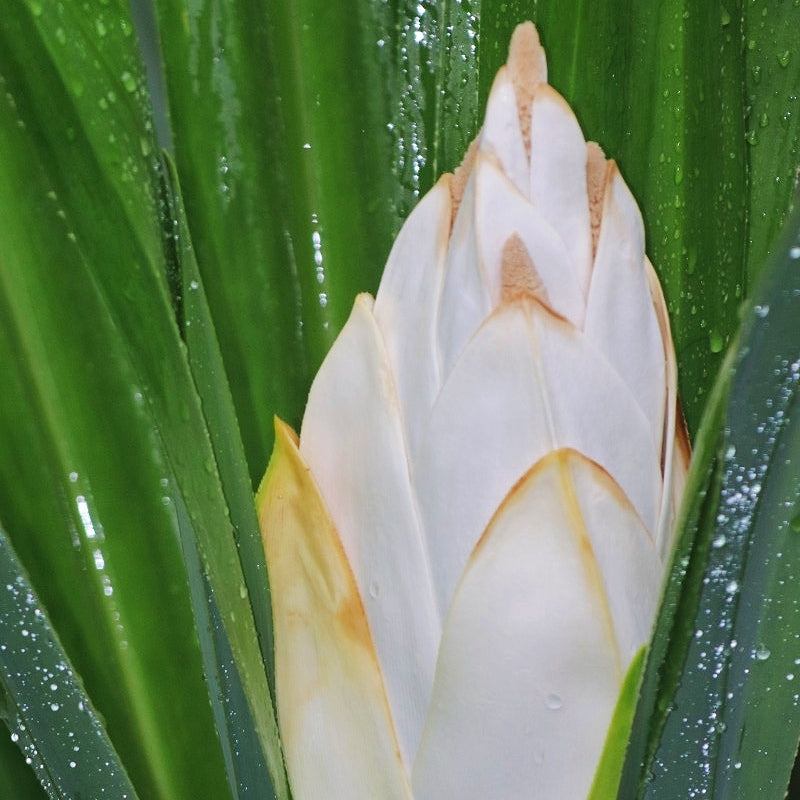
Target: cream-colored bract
(467, 544)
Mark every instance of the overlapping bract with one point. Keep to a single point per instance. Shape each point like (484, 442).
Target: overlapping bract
(466, 546)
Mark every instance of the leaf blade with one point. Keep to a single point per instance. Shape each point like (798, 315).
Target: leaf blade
(40, 693)
(723, 639)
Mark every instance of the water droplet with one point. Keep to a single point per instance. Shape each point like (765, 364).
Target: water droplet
(794, 252)
(726, 17)
(762, 653)
(762, 311)
(100, 27)
(553, 702)
(128, 81)
(374, 589)
(731, 587)
(715, 342)
(784, 58)
(144, 146)
(73, 477)
(242, 591)
(794, 523)
(719, 541)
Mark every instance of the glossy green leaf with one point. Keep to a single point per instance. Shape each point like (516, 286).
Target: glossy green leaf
(43, 702)
(82, 459)
(99, 405)
(720, 711)
(17, 780)
(281, 145)
(772, 84)
(246, 767)
(607, 778)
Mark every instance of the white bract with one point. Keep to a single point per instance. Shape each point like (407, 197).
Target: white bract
(467, 547)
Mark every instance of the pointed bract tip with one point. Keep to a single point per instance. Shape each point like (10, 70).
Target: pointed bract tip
(519, 275)
(526, 58)
(527, 68)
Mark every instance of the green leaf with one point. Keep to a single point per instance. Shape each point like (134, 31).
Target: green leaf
(772, 80)
(42, 700)
(283, 153)
(607, 778)
(102, 430)
(85, 344)
(247, 770)
(17, 780)
(719, 714)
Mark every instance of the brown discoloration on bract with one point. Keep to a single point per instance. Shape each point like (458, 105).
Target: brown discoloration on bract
(519, 277)
(325, 658)
(298, 533)
(683, 447)
(458, 180)
(598, 176)
(527, 69)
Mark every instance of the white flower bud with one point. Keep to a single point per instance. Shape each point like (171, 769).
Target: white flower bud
(467, 548)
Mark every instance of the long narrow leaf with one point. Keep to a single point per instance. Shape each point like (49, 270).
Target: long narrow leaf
(100, 406)
(772, 86)
(17, 780)
(281, 145)
(43, 702)
(719, 715)
(85, 348)
(244, 758)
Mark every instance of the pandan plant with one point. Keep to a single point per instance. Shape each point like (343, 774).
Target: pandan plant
(476, 592)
